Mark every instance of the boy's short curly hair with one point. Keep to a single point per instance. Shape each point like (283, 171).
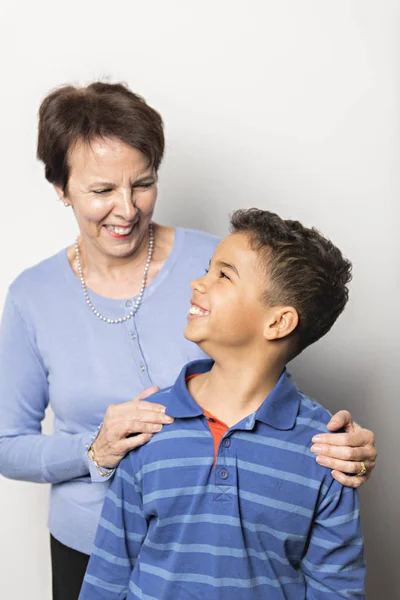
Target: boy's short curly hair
(304, 270)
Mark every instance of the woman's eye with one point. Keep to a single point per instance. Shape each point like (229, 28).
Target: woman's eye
(143, 186)
(106, 191)
(223, 275)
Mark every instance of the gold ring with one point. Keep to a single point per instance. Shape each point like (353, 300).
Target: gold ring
(363, 469)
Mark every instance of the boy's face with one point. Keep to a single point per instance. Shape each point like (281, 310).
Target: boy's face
(226, 306)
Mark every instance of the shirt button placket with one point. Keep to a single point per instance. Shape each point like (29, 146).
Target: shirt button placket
(136, 350)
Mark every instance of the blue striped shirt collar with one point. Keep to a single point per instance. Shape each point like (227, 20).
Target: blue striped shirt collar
(279, 409)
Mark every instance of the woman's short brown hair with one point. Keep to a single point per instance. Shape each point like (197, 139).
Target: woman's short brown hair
(107, 110)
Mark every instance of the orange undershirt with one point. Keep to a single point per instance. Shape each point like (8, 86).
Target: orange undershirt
(217, 427)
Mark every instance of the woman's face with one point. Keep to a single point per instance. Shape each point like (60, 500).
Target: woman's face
(112, 191)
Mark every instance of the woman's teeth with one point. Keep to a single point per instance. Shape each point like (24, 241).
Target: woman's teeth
(119, 230)
(196, 310)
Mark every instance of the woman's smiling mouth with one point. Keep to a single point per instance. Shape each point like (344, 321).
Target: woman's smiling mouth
(119, 231)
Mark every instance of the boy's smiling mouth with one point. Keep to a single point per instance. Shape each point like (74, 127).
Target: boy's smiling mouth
(197, 311)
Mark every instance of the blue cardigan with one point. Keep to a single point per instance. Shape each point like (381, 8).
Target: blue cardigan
(55, 352)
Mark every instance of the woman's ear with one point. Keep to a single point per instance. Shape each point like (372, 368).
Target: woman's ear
(61, 195)
(281, 322)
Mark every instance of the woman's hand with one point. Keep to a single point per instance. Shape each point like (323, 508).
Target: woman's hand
(121, 421)
(343, 452)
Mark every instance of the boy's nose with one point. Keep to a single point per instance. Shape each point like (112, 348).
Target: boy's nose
(197, 285)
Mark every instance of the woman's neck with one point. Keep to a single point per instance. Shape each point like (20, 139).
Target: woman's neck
(120, 278)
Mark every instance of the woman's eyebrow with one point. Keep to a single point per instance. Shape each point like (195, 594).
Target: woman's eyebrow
(101, 183)
(149, 177)
(109, 184)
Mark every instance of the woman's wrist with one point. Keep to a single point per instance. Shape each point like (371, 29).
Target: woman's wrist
(104, 472)
(93, 459)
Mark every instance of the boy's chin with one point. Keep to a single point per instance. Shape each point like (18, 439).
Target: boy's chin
(192, 336)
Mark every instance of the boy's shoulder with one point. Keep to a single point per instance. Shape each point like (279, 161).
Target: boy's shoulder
(136, 459)
(162, 396)
(312, 414)
(166, 397)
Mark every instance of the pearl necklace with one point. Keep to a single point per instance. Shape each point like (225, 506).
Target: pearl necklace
(139, 299)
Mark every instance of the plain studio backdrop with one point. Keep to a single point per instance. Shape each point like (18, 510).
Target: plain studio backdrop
(290, 106)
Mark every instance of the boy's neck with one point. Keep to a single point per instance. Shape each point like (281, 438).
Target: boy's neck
(234, 389)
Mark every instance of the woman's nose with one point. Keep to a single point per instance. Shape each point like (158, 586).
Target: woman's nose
(125, 205)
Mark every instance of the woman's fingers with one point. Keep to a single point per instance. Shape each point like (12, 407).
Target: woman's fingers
(345, 466)
(128, 425)
(148, 392)
(131, 443)
(150, 422)
(344, 452)
(359, 437)
(144, 405)
(117, 415)
(341, 420)
(350, 480)
(145, 394)
(347, 453)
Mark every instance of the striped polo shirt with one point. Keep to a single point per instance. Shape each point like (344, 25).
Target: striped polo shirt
(266, 522)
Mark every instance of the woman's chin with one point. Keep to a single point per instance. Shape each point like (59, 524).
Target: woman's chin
(121, 248)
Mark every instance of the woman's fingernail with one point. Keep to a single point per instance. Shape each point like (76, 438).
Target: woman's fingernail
(316, 439)
(157, 427)
(334, 423)
(321, 460)
(316, 449)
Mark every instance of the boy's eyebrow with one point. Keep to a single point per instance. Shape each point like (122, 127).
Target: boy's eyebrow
(226, 265)
(229, 266)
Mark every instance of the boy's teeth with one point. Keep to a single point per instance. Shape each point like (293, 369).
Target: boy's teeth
(119, 230)
(195, 310)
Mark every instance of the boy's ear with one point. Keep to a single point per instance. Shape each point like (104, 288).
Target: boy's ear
(281, 321)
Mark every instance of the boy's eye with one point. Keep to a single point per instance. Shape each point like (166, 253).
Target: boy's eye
(222, 274)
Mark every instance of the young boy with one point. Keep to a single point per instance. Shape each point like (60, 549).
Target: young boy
(228, 501)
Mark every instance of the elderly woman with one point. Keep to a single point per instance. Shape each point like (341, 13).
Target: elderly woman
(92, 327)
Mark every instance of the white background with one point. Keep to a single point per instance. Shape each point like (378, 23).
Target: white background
(291, 106)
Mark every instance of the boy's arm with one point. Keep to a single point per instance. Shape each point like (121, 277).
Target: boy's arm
(120, 534)
(333, 565)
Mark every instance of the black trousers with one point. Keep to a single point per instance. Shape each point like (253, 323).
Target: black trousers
(68, 568)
